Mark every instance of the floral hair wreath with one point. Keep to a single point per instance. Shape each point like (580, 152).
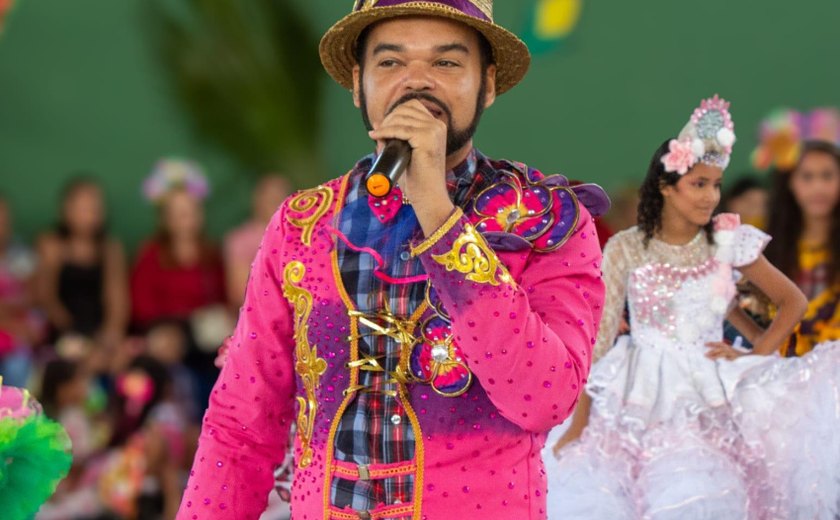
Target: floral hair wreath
(172, 173)
(707, 137)
(782, 133)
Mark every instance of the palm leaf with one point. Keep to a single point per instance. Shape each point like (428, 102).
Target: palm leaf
(248, 75)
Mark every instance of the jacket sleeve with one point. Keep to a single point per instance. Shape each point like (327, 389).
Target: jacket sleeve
(528, 342)
(245, 429)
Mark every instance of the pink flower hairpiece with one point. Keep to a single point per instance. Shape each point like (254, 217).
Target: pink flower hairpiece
(171, 173)
(137, 388)
(707, 137)
(680, 157)
(17, 403)
(727, 221)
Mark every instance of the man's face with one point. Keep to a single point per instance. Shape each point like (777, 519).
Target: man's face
(435, 60)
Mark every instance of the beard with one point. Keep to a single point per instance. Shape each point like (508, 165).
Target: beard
(456, 138)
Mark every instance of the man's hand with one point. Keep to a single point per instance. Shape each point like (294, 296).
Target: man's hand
(424, 183)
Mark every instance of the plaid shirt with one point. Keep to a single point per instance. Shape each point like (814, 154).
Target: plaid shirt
(375, 428)
(821, 322)
(813, 276)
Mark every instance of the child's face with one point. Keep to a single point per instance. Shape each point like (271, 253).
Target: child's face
(696, 195)
(816, 184)
(84, 209)
(77, 390)
(165, 343)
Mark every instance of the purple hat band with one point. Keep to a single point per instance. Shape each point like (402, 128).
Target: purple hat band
(464, 6)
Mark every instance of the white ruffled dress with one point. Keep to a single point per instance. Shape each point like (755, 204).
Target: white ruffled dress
(675, 435)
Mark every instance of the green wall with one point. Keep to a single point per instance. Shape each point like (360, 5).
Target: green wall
(80, 90)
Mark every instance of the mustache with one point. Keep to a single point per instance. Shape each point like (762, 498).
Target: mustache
(422, 96)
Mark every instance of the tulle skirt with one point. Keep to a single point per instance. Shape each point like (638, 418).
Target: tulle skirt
(674, 435)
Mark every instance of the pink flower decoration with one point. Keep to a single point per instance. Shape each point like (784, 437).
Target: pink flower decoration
(438, 361)
(540, 211)
(17, 403)
(680, 158)
(727, 221)
(137, 388)
(511, 207)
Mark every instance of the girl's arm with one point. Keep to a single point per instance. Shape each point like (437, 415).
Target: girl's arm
(787, 297)
(580, 420)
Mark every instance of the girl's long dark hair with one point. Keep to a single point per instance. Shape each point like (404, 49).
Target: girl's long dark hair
(651, 200)
(125, 423)
(57, 374)
(786, 222)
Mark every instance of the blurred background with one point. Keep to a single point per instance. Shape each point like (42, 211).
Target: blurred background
(145, 143)
(109, 87)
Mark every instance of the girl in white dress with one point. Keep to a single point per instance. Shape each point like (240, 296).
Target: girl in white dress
(684, 426)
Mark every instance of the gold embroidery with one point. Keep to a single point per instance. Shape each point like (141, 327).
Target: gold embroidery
(470, 255)
(318, 198)
(354, 355)
(419, 451)
(433, 239)
(308, 365)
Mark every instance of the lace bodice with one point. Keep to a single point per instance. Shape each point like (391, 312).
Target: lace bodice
(677, 294)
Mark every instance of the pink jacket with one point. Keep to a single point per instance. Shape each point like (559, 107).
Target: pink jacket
(525, 322)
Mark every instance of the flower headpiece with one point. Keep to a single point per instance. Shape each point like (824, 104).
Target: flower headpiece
(708, 137)
(34, 453)
(782, 133)
(170, 174)
(137, 388)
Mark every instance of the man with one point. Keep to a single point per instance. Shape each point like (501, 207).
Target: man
(430, 338)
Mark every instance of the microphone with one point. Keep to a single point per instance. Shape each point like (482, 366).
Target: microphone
(388, 167)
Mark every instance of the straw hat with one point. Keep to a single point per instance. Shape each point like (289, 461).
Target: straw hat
(338, 44)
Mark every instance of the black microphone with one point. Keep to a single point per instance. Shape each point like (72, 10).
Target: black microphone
(388, 167)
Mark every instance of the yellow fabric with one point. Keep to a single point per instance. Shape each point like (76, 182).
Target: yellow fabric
(811, 256)
(819, 329)
(822, 319)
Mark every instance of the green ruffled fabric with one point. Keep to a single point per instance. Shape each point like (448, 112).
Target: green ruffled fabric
(34, 457)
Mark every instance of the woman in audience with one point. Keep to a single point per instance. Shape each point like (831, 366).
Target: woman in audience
(82, 270)
(805, 216)
(179, 270)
